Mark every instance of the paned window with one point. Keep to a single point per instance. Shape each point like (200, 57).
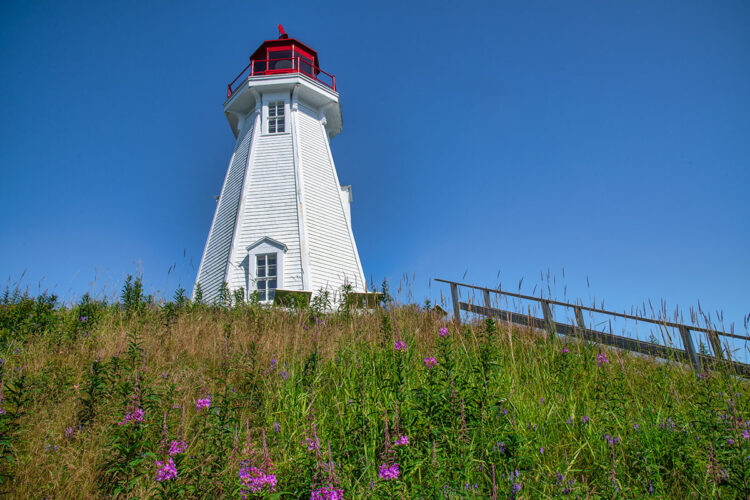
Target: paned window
(275, 117)
(265, 276)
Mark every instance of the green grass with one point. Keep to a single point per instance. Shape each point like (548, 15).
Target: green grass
(549, 422)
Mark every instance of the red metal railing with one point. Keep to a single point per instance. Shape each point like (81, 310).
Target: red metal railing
(276, 67)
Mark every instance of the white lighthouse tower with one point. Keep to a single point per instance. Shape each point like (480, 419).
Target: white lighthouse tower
(282, 221)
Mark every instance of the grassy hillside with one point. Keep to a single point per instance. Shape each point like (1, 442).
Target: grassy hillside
(186, 400)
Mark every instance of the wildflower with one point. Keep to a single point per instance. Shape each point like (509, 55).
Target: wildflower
(401, 441)
(745, 434)
(541, 450)
(389, 471)
(501, 447)
(400, 345)
(165, 470)
(328, 492)
(565, 350)
(273, 362)
(636, 426)
(277, 426)
(730, 441)
(255, 480)
(430, 362)
(203, 403)
(176, 447)
(585, 420)
(83, 319)
(135, 416)
(443, 332)
(602, 359)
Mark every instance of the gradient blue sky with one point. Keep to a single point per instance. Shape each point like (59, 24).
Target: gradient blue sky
(611, 139)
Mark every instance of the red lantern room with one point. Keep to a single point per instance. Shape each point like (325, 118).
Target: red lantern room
(285, 55)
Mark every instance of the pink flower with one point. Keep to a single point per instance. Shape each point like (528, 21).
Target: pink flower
(602, 359)
(327, 493)
(136, 416)
(203, 403)
(443, 332)
(565, 350)
(401, 441)
(254, 479)
(177, 447)
(430, 362)
(166, 470)
(400, 345)
(389, 471)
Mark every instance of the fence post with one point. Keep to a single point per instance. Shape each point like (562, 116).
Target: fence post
(716, 345)
(549, 321)
(687, 343)
(487, 302)
(456, 307)
(579, 318)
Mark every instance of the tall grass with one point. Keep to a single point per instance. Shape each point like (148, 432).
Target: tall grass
(329, 400)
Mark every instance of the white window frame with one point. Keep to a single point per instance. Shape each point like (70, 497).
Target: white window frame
(276, 115)
(265, 246)
(263, 275)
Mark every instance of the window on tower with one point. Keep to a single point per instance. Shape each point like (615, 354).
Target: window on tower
(276, 117)
(266, 277)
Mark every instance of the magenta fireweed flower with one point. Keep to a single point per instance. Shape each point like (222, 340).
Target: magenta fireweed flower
(329, 492)
(565, 350)
(401, 441)
(135, 416)
(203, 403)
(400, 345)
(389, 471)
(430, 362)
(177, 447)
(255, 480)
(443, 332)
(165, 470)
(602, 359)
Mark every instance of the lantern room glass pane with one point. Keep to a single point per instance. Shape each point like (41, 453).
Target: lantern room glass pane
(280, 59)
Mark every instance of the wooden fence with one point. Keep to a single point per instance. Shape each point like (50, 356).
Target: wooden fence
(699, 361)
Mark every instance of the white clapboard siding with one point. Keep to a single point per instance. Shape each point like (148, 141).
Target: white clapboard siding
(333, 253)
(269, 210)
(212, 270)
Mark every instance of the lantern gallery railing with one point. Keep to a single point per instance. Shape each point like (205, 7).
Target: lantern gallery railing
(699, 360)
(283, 66)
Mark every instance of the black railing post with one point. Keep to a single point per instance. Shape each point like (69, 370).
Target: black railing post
(687, 343)
(456, 307)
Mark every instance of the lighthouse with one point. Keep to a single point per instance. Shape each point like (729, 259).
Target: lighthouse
(282, 220)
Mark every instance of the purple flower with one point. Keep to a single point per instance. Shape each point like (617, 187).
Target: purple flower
(400, 345)
(730, 441)
(401, 441)
(328, 492)
(602, 359)
(443, 332)
(585, 420)
(136, 416)
(165, 470)
(389, 471)
(430, 362)
(254, 480)
(541, 450)
(745, 434)
(203, 403)
(177, 447)
(83, 319)
(501, 447)
(273, 362)
(565, 350)
(277, 426)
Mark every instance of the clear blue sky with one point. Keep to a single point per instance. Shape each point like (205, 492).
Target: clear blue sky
(611, 139)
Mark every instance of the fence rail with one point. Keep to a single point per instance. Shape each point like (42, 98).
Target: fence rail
(688, 354)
